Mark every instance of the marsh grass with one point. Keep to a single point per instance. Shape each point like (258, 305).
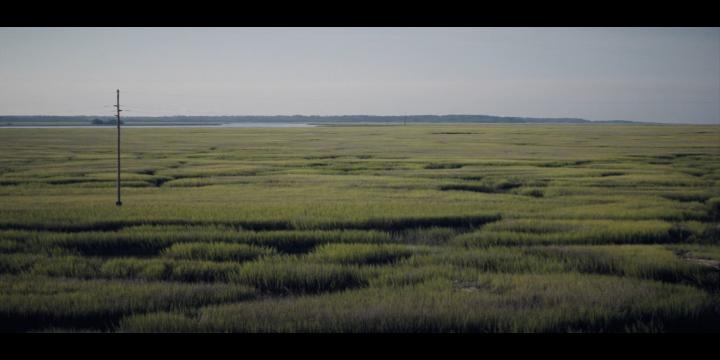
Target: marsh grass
(18, 263)
(292, 275)
(549, 232)
(363, 254)
(151, 240)
(304, 241)
(423, 228)
(216, 251)
(499, 303)
(68, 266)
(385, 224)
(37, 302)
(641, 261)
(169, 270)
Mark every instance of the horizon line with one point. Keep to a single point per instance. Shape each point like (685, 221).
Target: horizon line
(368, 115)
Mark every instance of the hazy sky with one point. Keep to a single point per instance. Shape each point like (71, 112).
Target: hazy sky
(656, 74)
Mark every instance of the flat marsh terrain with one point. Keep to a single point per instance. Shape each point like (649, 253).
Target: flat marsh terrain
(419, 228)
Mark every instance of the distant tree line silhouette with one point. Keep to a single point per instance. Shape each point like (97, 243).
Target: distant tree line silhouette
(108, 120)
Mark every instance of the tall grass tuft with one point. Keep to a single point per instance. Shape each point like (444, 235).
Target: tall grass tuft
(499, 303)
(34, 302)
(363, 254)
(291, 275)
(216, 251)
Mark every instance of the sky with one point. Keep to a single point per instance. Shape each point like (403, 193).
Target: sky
(644, 74)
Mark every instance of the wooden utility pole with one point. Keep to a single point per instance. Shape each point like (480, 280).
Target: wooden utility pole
(118, 203)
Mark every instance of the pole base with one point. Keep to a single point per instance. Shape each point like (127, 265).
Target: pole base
(118, 203)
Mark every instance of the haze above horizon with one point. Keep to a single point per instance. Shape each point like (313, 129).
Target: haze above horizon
(669, 75)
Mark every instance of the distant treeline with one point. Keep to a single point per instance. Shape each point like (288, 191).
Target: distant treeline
(98, 120)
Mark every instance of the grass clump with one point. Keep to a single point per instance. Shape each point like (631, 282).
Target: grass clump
(499, 303)
(362, 254)
(548, 232)
(216, 251)
(207, 271)
(169, 270)
(166, 322)
(133, 268)
(18, 263)
(291, 275)
(642, 261)
(68, 266)
(493, 259)
(295, 241)
(33, 302)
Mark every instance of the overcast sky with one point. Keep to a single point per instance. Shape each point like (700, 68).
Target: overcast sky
(656, 74)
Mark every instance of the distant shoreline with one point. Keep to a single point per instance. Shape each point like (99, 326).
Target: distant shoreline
(108, 126)
(90, 121)
(275, 125)
(292, 119)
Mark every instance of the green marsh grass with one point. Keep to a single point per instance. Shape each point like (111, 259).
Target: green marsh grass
(499, 303)
(292, 275)
(419, 228)
(29, 302)
(216, 251)
(362, 254)
(548, 232)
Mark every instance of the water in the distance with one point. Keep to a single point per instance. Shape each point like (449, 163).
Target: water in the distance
(230, 125)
